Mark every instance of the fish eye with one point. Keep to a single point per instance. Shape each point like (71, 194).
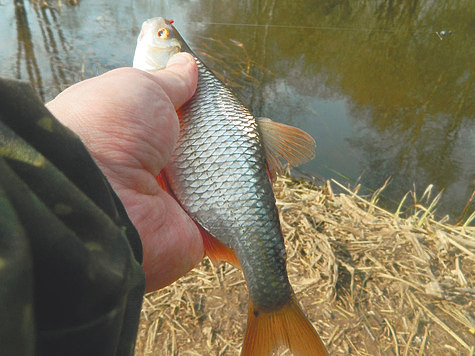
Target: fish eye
(163, 33)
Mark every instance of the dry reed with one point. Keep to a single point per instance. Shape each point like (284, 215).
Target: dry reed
(371, 282)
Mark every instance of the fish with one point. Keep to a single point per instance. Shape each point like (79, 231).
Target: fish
(221, 173)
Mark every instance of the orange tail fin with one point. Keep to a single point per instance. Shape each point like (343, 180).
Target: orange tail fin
(286, 326)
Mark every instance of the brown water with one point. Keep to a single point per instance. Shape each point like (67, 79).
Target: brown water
(385, 87)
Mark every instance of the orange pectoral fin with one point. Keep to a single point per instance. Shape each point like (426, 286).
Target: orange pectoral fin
(286, 326)
(217, 251)
(163, 182)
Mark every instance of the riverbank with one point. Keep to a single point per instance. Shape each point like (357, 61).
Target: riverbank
(371, 282)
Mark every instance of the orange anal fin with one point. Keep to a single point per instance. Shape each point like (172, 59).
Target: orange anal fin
(287, 326)
(217, 251)
(214, 249)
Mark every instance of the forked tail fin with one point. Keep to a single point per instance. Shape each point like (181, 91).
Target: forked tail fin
(287, 326)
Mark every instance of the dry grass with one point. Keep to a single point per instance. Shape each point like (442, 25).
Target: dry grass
(371, 282)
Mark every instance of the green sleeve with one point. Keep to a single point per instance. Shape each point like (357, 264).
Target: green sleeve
(71, 281)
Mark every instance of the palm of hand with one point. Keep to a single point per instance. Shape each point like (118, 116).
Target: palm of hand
(127, 120)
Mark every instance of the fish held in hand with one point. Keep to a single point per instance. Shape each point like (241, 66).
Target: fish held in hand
(220, 173)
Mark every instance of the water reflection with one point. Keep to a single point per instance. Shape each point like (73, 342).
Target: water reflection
(378, 86)
(26, 52)
(53, 41)
(407, 94)
(52, 36)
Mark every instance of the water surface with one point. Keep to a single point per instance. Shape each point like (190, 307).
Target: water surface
(384, 87)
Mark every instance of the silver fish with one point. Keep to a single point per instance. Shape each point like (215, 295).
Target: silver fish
(220, 174)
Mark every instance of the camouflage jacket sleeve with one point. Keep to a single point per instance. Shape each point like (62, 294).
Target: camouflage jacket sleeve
(71, 281)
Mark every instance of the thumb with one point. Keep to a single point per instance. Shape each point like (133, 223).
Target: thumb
(179, 78)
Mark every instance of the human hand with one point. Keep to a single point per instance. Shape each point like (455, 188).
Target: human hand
(127, 120)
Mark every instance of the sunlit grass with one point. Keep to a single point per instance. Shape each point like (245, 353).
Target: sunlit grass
(370, 280)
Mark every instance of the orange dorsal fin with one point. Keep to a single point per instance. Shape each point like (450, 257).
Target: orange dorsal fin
(217, 251)
(286, 326)
(285, 142)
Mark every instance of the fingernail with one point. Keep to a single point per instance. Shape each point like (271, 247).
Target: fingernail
(181, 58)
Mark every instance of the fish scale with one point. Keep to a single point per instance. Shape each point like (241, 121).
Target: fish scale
(217, 172)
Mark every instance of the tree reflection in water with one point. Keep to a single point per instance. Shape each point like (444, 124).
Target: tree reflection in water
(392, 94)
(407, 94)
(54, 44)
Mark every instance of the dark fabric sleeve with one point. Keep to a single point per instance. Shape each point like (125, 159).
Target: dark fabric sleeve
(71, 281)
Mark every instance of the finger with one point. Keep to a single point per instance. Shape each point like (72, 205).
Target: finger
(171, 241)
(179, 78)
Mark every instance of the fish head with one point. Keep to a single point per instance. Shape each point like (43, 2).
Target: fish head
(158, 41)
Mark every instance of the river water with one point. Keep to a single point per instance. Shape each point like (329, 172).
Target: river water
(385, 87)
